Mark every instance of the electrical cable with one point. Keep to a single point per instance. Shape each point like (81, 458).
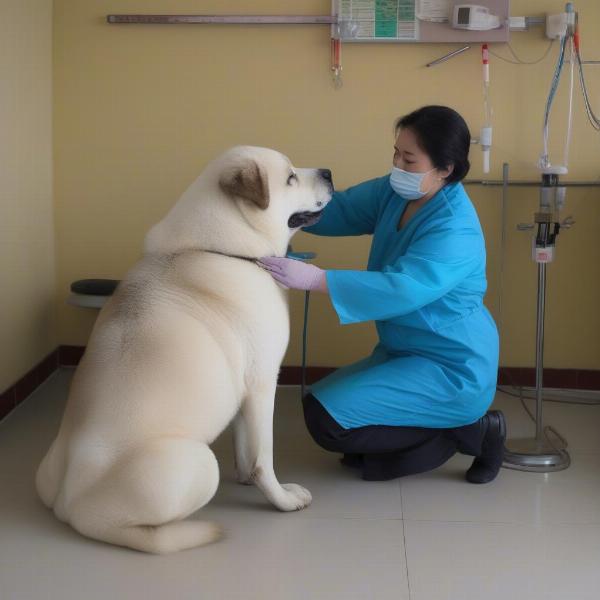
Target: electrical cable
(570, 112)
(544, 160)
(503, 390)
(595, 122)
(518, 61)
(547, 429)
(304, 342)
(562, 442)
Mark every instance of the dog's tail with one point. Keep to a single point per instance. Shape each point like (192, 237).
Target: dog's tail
(162, 539)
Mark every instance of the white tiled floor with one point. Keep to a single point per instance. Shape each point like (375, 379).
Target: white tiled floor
(427, 537)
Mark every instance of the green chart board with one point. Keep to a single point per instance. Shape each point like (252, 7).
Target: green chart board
(379, 19)
(412, 21)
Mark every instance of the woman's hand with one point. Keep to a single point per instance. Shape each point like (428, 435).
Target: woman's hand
(295, 274)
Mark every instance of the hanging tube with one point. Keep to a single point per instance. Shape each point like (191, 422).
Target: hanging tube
(485, 138)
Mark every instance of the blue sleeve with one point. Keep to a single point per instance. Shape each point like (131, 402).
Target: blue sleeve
(434, 264)
(352, 212)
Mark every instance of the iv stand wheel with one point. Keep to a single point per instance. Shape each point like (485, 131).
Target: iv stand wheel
(531, 454)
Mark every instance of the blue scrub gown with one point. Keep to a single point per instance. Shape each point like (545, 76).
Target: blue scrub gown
(436, 362)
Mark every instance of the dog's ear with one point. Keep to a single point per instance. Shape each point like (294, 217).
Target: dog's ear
(249, 182)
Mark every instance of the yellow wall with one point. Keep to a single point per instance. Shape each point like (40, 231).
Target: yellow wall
(140, 109)
(27, 263)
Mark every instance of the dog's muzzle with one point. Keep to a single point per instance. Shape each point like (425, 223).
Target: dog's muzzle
(304, 219)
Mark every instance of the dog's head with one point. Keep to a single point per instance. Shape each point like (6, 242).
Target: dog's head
(269, 188)
(249, 201)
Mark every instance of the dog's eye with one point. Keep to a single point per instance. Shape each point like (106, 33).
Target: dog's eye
(292, 177)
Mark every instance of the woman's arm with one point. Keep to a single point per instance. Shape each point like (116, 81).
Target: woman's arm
(433, 265)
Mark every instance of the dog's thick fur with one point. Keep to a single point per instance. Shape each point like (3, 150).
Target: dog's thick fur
(192, 338)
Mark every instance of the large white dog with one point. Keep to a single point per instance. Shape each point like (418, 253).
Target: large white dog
(192, 338)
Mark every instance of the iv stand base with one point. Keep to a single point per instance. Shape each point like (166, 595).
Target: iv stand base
(531, 454)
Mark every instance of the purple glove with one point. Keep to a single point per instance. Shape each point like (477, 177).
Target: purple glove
(295, 274)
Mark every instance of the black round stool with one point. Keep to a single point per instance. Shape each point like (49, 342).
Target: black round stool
(92, 293)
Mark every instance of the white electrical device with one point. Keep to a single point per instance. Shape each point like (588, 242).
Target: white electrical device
(556, 26)
(474, 17)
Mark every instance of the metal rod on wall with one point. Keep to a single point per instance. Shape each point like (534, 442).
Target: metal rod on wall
(225, 19)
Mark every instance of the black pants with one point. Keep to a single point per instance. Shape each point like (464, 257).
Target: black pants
(386, 452)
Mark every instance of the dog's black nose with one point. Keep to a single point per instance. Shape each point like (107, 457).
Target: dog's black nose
(325, 174)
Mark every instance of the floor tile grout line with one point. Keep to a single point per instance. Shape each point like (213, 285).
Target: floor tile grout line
(511, 523)
(404, 539)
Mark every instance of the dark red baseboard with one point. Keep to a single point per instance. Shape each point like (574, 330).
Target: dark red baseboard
(15, 394)
(69, 356)
(578, 379)
(574, 379)
(293, 375)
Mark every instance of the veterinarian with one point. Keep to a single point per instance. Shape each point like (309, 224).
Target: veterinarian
(424, 392)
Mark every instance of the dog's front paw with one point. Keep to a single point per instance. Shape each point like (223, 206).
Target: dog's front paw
(243, 478)
(243, 474)
(295, 497)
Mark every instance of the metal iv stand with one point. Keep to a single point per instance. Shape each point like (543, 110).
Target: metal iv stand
(539, 454)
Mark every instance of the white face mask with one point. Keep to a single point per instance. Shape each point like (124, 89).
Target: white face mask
(407, 184)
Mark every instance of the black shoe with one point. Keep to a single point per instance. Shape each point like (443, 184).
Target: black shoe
(486, 466)
(354, 461)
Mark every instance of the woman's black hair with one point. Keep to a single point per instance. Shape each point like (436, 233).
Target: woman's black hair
(443, 135)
